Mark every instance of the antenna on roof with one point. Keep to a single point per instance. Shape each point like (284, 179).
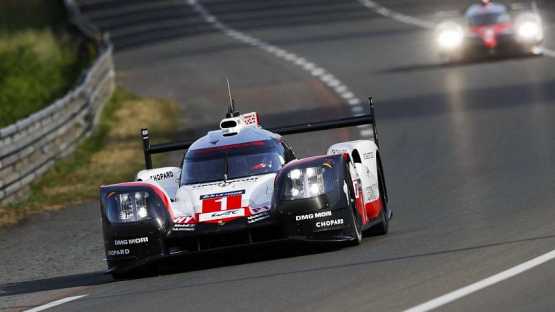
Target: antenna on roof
(231, 109)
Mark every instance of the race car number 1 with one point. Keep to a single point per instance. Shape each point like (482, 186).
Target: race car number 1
(221, 203)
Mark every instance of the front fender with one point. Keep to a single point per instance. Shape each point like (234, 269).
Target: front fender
(129, 242)
(322, 217)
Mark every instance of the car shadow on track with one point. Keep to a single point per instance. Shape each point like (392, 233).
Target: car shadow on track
(469, 62)
(237, 257)
(243, 255)
(62, 282)
(174, 265)
(224, 261)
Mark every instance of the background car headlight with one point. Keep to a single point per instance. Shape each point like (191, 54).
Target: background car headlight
(529, 27)
(530, 30)
(450, 36)
(304, 183)
(132, 206)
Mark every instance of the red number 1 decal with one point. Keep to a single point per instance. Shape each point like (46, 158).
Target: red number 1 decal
(221, 203)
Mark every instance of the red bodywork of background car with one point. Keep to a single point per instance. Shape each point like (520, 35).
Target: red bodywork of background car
(489, 33)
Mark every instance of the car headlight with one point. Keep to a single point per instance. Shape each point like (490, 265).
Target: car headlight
(528, 26)
(450, 36)
(530, 30)
(304, 183)
(132, 206)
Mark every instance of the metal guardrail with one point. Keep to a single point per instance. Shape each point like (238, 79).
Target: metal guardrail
(31, 146)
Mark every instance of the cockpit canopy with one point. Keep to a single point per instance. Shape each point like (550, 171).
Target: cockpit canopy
(233, 161)
(479, 15)
(489, 19)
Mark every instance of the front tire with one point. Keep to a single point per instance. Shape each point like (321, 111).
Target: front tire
(356, 220)
(357, 228)
(383, 227)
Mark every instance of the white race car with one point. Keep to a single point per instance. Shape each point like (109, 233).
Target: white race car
(242, 185)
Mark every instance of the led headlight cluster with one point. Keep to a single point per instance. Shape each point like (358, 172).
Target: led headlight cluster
(133, 206)
(450, 36)
(305, 183)
(529, 29)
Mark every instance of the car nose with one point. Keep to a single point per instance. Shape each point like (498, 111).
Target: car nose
(489, 38)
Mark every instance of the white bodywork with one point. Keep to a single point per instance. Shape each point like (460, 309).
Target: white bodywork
(251, 196)
(363, 155)
(166, 178)
(241, 197)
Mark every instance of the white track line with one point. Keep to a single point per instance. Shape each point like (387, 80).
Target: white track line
(320, 73)
(548, 52)
(380, 9)
(465, 291)
(54, 303)
(411, 20)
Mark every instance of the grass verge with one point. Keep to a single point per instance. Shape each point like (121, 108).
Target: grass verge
(112, 154)
(40, 59)
(37, 67)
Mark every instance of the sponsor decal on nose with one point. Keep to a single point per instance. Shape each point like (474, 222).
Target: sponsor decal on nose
(132, 241)
(118, 252)
(221, 215)
(315, 215)
(329, 223)
(162, 176)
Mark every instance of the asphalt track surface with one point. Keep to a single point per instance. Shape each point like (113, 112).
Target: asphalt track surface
(468, 151)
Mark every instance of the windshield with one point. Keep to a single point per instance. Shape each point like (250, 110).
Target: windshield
(232, 161)
(489, 19)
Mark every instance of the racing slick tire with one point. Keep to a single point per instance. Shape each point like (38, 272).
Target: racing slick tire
(357, 228)
(355, 217)
(383, 227)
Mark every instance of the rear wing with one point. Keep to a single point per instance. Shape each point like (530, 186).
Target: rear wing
(368, 119)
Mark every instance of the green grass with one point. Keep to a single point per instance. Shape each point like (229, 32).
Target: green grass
(39, 60)
(112, 154)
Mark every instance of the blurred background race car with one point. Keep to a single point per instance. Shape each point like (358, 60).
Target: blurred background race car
(490, 28)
